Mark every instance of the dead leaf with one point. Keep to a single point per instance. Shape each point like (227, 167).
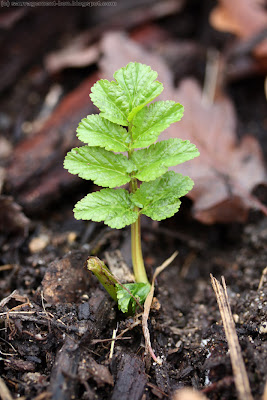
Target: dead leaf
(244, 18)
(226, 171)
(118, 50)
(76, 54)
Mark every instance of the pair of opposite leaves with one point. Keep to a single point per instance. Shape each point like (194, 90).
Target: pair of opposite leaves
(123, 103)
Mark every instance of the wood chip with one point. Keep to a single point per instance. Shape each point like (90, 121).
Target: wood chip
(239, 370)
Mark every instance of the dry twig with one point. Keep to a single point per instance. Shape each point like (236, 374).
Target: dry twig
(239, 370)
(4, 391)
(264, 397)
(263, 278)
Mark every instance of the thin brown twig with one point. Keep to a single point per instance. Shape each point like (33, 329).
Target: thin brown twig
(4, 391)
(96, 341)
(119, 337)
(239, 370)
(263, 277)
(264, 397)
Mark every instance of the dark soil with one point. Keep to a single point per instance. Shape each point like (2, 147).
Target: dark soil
(57, 322)
(52, 346)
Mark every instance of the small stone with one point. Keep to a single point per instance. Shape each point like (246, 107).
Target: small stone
(263, 328)
(236, 318)
(83, 311)
(38, 243)
(72, 236)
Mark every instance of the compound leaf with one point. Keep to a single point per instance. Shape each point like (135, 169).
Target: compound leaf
(149, 122)
(156, 159)
(111, 100)
(112, 206)
(159, 199)
(125, 300)
(139, 86)
(101, 166)
(97, 131)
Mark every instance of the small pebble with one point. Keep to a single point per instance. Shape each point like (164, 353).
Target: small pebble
(72, 236)
(263, 328)
(38, 243)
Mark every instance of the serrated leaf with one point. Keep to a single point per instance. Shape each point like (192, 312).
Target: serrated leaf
(111, 100)
(125, 301)
(156, 159)
(101, 166)
(139, 85)
(159, 199)
(112, 206)
(97, 131)
(149, 122)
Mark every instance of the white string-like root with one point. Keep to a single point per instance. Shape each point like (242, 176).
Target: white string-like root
(147, 307)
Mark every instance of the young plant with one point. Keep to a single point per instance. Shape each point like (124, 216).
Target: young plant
(121, 150)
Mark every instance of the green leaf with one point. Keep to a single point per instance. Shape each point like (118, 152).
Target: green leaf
(139, 291)
(159, 199)
(156, 159)
(112, 206)
(149, 122)
(111, 100)
(97, 131)
(101, 166)
(139, 85)
(119, 101)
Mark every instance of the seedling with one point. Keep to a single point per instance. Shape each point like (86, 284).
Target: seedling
(121, 150)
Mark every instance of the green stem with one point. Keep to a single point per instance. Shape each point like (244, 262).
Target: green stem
(137, 256)
(103, 274)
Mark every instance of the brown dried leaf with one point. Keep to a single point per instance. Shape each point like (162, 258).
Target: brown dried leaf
(244, 18)
(76, 54)
(226, 171)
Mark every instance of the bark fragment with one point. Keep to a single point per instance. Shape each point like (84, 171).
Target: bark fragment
(131, 379)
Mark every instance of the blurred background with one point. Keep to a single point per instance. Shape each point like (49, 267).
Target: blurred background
(210, 55)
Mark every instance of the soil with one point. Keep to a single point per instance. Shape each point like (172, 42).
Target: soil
(56, 321)
(55, 337)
